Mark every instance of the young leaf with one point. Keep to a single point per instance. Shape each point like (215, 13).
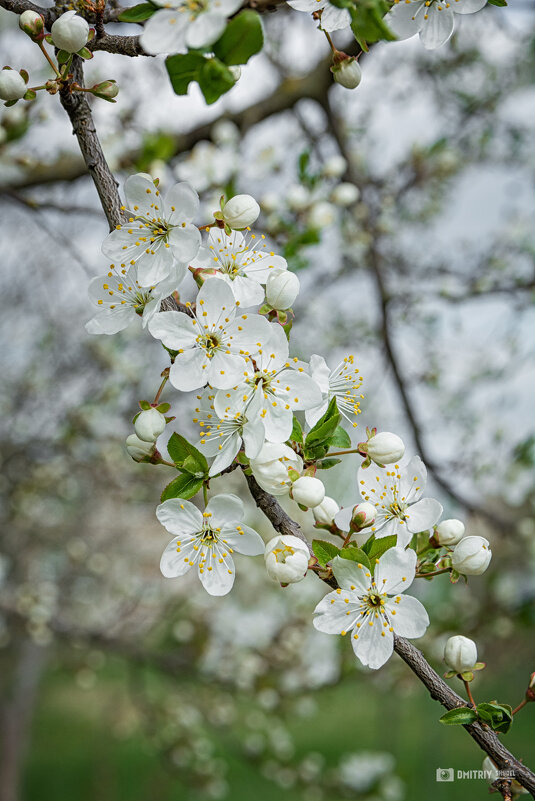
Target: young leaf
(500, 3)
(341, 439)
(379, 546)
(182, 451)
(326, 464)
(182, 69)
(460, 716)
(324, 551)
(318, 439)
(356, 554)
(241, 39)
(183, 486)
(498, 716)
(137, 13)
(215, 79)
(297, 431)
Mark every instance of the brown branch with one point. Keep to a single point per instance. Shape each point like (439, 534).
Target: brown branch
(79, 112)
(121, 45)
(438, 689)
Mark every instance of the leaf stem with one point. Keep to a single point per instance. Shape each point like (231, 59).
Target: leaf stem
(43, 51)
(469, 693)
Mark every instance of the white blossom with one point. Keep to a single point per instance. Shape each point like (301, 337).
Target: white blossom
(240, 212)
(471, 556)
(372, 608)
(286, 559)
(332, 18)
(180, 25)
(70, 32)
(449, 532)
(150, 423)
(432, 19)
(222, 437)
(12, 85)
(214, 344)
(460, 654)
(120, 299)
(308, 491)
(158, 232)
(342, 383)
(206, 541)
(282, 288)
(325, 512)
(271, 466)
(242, 262)
(280, 388)
(397, 495)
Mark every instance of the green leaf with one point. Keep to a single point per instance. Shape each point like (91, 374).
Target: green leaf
(500, 3)
(308, 237)
(215, 79)
(355, 554)
(326, 464)
(241, 39)
(498, 716)
(297, 431)
(341, 439)
(377, 547)
(182, 69)
(183, 486)
(183, 452)
(137, 13)
(318, 439)
(461, 716)
(324, 551)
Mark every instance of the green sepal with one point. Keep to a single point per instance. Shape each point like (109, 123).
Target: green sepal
(241, 458)
(163, 407)
(324, 551)
(9, 103)
(326, 464)
(479, 666)
(85, 53)
(341, 439)
(450, 674)
(467, 676)
(24, 75)
(145, 405)
(134, 418)
(498, 716)
(63, 56)
(241, 39)
(48, 39)
(461, 716)
(180, 450)
(356, 554)
(138, 13)
(29, 95)
(454, 576)
(183, 486)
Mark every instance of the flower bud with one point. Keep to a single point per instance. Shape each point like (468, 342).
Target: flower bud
(460, 654)
(345, 194)
(282, 288)
(149, 425)
(70, 32)
(385, 448)
(471, 556)
(240, 212)
(363, 516)
(271, 466)
(308, 491)
(106, 90)
(138, 449)
(449, 532)
(12, 85)
(297, 197)
(325, 511)
(347, 73)
(286, 559)
(31, 23)
(334, 167)
(236, 72)
(322, 214)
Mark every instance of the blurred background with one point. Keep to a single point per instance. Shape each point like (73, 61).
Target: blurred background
(407, 208)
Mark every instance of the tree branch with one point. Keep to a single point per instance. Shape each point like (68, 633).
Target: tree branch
(438, 689)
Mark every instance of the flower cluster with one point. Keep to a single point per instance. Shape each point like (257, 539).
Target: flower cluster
(281, 419)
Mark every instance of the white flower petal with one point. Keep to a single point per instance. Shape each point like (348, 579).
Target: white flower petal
(330, 615)
(205, 30)
(277, 420)
(247, 541)
(217, 574)
(248, 333)
(253, 435)
(181, 203)
(404, 20)
(110, 321)
(184, 242)
(373, 644)
(334, 19)
(246, 291)
(467, 6)
(177, 559)
(349, 575)
(164, 32)
(179, 517)
(423, 514)
(413, 480)
(410, 618)
(188, 372)
(343, 518)
(395, 570)
(175, 329)
(224, 370)
(154, 266)
(215, 302)
(225, 509)
(297, 390)
(438, 27)
(142, 196)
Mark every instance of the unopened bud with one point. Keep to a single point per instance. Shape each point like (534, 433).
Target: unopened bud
(460, 654)
(282, 288)
(32, 23)
(138, 449)
(107, 90)
(286, 559)
(345, 194)
(322, 214)
(347, 72)
(70, 32)
(325, 511)
(149, 425)
(240, 212)
(308, 491)
(334, 167)
(449, 532)
(12, 85)
(363, 516)
(530, 692)
(471, 556)
(383, 448)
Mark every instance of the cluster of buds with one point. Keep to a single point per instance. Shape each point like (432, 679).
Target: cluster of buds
(149, 423)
